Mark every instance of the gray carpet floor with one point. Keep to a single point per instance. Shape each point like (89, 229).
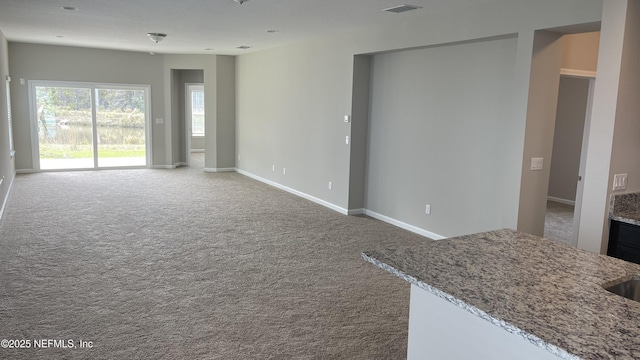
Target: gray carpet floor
(180, 264)
(558, 223)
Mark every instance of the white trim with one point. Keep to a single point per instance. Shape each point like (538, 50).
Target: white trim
(356, 212)
(219, 170)
(400, 224)
(561, 201)
(578, 73)
(197, 150)
(295, 192)
(6, 197)
(163, 167)
(26, 171)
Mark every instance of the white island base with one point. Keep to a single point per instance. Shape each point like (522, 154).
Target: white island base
(439, 329)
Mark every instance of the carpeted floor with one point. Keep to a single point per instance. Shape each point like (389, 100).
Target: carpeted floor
(558, 223)
(179, 264)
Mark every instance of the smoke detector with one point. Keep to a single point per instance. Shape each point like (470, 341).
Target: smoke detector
(241, 1)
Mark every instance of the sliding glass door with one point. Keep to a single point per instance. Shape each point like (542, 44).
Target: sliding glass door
(85, 126)
(120, 120)
(64, 127)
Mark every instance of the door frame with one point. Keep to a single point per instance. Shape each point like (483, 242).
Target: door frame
(93, 86)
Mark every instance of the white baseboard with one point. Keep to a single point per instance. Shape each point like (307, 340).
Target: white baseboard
(197, 150)
(219, 170)
(400, 224)
(295, 192)
(6, 197)
(26, 171)
(163, 167)
(561, 201)
(356, 212)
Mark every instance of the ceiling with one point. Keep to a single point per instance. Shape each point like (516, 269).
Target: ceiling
(200, 26)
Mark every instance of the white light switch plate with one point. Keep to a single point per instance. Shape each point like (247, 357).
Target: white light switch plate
(537, 163)
(619, 182)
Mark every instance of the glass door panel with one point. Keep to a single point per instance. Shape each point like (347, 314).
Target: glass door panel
(65, 127)
(120, 126)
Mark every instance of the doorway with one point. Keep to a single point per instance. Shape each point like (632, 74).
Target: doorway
(568, 159)
(89, 126)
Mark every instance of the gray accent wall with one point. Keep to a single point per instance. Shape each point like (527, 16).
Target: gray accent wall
(292, 101)
(437, 135)
(219, 98)
(7, 164)
(63, 63)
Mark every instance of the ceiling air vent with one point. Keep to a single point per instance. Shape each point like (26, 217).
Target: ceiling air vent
(402, 8)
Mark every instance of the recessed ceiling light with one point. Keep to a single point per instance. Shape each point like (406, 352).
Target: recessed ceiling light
(70, 8)
(273, 31)
(244, 47)
(402, 8)
(59, 36)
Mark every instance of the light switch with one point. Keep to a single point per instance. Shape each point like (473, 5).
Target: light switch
(347, 140)
(159, 121)
(537, 164)
(347, 118)
(619, 182)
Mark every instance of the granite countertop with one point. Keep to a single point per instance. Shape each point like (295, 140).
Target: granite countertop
(625, 208)
(544, 291)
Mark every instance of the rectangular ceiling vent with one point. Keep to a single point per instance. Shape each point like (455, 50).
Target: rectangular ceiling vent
(402, 8)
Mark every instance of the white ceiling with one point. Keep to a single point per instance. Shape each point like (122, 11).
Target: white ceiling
(195, 25)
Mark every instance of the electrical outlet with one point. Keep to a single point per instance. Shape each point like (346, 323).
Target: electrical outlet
(273, 168)
(330, 185)
(427, 209)
(284, 171)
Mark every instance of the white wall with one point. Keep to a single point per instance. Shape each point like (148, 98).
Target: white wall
(63, 63)
(291, 100)
(437, 135)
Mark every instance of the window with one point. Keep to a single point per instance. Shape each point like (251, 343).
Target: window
(196, 94)
(11, 148)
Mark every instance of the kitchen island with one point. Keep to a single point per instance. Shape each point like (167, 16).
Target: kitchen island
(508, 295)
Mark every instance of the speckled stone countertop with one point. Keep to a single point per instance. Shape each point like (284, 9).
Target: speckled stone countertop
(625, 208)
(544, 291)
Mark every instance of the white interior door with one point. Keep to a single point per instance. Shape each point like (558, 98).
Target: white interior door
(583, 160)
